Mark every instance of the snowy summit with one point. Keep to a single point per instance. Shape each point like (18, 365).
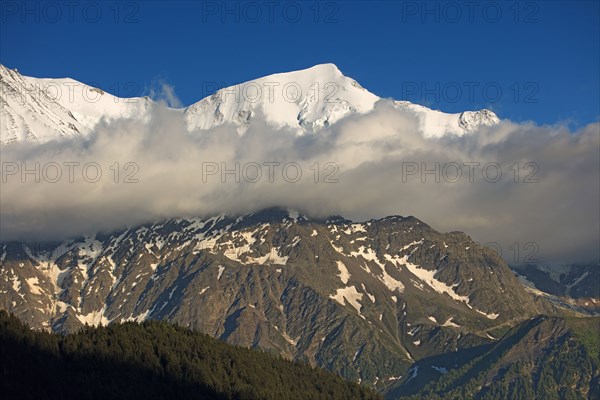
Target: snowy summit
(305, 101)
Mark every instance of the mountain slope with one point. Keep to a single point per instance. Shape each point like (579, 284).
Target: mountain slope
(575, 286)
(306, 101)
(361, 299)
(578, 281)
(30, 114)
(152, 360)
(90, 105)
(542, 358)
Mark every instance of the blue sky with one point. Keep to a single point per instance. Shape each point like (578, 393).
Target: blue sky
(535, 61)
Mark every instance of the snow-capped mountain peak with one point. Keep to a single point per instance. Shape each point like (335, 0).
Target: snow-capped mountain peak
(304, 101)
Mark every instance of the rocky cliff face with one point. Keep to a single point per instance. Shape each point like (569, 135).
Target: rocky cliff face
(362, 299)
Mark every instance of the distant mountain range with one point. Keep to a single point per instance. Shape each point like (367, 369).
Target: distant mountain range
(573, 285)
(366, 300)
(38, 110)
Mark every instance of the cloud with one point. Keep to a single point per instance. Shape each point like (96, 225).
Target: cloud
(531, 190)
(164, 93)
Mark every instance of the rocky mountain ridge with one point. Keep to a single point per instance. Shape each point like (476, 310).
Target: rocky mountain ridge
(362, 299)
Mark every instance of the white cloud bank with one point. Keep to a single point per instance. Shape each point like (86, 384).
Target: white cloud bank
(377, 159)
